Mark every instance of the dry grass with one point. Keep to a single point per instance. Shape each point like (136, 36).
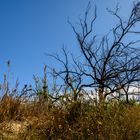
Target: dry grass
(44, 119)
(77, 120)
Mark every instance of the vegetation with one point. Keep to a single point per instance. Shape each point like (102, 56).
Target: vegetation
(68, 111)
(110, 64)
(37, 114)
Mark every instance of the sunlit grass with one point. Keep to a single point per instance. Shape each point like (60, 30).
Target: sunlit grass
(33, 114)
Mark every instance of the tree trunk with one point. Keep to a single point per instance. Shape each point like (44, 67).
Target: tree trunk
(127, 98)
(101, 95)
(75, 95)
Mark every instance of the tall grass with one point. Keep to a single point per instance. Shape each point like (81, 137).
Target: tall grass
(77, 120)
(45, 118)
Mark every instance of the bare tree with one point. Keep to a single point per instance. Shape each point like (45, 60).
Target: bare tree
(109, 65)
(71, 75)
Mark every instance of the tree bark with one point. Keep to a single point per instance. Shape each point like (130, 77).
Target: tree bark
(101, 94)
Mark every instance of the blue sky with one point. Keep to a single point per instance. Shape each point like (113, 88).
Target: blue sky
(31, 28)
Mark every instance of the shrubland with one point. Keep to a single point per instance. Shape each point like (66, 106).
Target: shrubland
(109, 66)
(23, 116)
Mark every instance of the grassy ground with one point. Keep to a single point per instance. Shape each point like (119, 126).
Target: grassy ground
(41, 117)
(84, 120)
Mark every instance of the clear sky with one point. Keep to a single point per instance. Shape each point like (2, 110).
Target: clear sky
(31, 28)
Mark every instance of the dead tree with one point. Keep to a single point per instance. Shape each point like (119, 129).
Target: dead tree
(71, 75)
(108, 65)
